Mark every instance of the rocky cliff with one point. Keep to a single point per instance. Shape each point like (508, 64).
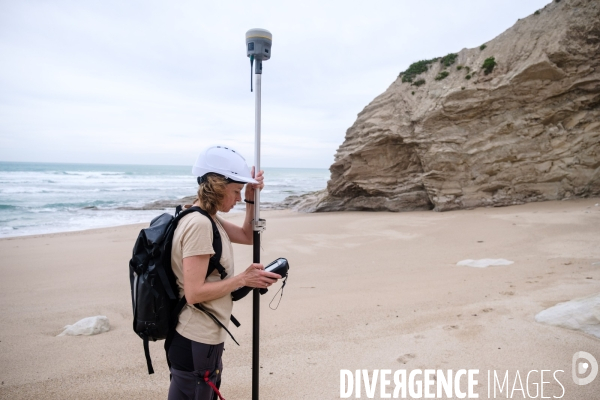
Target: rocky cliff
(513, 121)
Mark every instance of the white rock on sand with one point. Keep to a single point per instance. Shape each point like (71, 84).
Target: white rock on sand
(87, 326)
(484, 262)
(580, 314)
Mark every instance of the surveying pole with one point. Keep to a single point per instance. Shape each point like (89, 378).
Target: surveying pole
(258, 48)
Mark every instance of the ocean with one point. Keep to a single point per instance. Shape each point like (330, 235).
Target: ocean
(40, 198)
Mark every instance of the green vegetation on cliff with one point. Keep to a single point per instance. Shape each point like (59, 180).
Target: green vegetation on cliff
(449, 59)
(488, 65)
(442, 75)
(415, 69)
(422, 66)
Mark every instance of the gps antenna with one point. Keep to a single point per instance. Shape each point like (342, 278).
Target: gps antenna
(258, 48)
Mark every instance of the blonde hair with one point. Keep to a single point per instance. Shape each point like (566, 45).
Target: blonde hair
(211, 192)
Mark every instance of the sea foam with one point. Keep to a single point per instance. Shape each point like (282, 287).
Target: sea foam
(44, 198)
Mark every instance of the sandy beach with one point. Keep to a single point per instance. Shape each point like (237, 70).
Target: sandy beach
(366, 290)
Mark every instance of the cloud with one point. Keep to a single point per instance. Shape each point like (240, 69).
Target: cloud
(153, 82)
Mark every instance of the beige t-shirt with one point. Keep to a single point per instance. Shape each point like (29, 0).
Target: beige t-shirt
(194, 236)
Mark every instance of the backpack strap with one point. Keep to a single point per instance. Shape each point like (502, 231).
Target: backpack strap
(166, 284)
(173, 323)
(211, 315)
(147, 354)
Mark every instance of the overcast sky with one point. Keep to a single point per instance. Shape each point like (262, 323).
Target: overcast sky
(153, 82)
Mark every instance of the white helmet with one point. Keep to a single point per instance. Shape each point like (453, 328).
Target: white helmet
(224, 161)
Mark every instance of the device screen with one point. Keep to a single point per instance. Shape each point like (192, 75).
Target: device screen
(276, 264)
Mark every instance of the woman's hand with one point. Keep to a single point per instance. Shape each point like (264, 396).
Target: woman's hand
(250, 187)
(255, 276)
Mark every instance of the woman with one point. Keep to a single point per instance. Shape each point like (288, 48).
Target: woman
(196, 350)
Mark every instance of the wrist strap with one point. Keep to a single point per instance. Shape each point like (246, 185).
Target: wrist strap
(248, 201)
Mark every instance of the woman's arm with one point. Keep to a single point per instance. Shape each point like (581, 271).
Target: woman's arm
(240, 234)
(244, 234)
(196, 290)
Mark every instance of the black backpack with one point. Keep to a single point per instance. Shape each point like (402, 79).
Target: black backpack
(154, 291)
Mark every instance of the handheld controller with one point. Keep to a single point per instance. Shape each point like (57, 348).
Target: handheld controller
(279, 266)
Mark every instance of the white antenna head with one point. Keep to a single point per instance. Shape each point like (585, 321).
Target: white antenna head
(258, 44)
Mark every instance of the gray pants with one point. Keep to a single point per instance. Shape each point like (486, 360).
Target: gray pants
(207, 366)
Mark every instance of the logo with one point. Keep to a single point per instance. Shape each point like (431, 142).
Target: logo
(581, 368)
